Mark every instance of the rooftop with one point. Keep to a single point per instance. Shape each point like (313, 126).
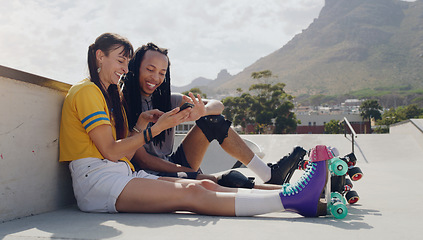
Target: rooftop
(389, 205)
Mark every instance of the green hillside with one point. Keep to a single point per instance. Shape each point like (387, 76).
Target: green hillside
(352, 45)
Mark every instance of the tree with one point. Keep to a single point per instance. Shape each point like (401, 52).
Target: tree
(273, 103)
(286, 121)
(332, 127)
(410, 111)
(370, 109)
(237, 109)
(195, 91)
(267, 105)
(266, 74)
(389, 117)
(399, 114)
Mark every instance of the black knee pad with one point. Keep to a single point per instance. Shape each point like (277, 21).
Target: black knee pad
(214, 127)
(235, 179)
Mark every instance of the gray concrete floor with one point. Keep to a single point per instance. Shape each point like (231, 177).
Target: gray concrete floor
(389, 205)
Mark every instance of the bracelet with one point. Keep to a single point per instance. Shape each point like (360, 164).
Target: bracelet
(149, 133)
(145, 136)
(136, 129)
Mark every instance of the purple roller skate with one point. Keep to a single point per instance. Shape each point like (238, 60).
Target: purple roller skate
(303, 196)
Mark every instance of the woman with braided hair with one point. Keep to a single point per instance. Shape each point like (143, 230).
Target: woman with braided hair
(147, 86)
(95, 140)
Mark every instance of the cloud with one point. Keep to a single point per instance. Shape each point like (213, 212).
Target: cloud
(51, 38)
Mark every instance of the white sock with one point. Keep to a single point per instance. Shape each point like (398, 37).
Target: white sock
(255, 204)
(258, 191)
(260, 168)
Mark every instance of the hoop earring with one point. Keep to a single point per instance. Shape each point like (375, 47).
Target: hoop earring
(99, 70)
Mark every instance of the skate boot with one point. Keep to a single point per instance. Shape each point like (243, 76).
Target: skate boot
(303, 196)
(338, 184)
(282, 170)
(235, 179)
(302, 165)
(343, 186)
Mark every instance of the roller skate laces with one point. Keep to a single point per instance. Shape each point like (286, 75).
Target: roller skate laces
(303, 196)
(289, 190)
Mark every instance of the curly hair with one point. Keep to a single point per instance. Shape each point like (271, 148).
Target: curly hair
(132, 92)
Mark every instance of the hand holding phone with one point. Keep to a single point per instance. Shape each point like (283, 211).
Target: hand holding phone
(186, 105)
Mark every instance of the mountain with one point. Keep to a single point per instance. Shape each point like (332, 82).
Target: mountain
(352, 45)
(206, 85)
(200, 82)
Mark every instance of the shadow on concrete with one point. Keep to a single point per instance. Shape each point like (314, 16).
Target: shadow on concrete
(74, 224)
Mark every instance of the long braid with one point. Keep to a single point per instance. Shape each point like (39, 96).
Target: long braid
(161, 100)
(132, 91)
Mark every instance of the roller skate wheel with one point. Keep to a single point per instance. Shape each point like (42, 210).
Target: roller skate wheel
(338, 167)
(302, 165)
(355, 173)
(337, 197)
(352, 197)
(348, 183)
(351, 158)
(339, 210)
(347, 188)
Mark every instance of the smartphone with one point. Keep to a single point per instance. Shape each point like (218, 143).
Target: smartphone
(186, 105)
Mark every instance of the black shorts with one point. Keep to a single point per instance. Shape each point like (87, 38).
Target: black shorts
(178, 157)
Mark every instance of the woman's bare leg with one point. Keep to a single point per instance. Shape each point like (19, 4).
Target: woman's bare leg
(195, 145)
(157, 196)
(206, 183)
(237, 148)
(268, 186)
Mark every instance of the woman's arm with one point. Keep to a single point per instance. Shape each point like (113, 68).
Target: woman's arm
(150, 162)
(202, 107)
(112, 150)
(102, 135)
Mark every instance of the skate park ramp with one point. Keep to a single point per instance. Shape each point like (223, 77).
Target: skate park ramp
(389, 205)
(36, 201)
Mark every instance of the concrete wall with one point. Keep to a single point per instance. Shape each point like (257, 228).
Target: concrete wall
(315, 124)
(321, 119)
(368, 148)
(409, 127)
(32, 180)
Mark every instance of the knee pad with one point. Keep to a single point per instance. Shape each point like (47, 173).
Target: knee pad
(214, 127)
(235, 179)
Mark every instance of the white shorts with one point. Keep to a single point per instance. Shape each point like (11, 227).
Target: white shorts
(98, 183)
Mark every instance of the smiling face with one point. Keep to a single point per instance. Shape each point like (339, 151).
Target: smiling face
(152, 71)
(113, 65)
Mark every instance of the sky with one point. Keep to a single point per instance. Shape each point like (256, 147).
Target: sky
(51, 38)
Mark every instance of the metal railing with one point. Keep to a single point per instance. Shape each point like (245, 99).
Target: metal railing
(346, 124)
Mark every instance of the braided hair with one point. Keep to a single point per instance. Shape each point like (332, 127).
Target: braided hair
(132, 92)
(108, 42)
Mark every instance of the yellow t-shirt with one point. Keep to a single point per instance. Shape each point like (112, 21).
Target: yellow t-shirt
(84, 109)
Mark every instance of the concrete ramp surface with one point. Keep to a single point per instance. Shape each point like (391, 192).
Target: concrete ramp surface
(389, 205)
(36, 199)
